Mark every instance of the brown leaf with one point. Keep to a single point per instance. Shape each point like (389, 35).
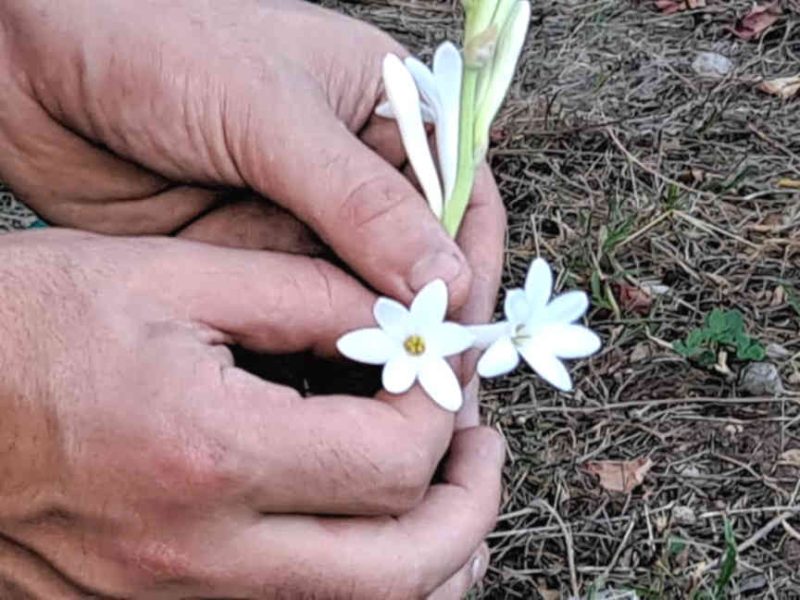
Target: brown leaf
(783, 87)
(760, 18)
(620, 475)
(669, 7)
(791, 457)
(789, 183)
(634, 299)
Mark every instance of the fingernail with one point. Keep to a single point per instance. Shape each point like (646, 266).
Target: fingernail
(476, 569)
(447, 266)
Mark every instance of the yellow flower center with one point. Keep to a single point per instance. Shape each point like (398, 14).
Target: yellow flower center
(414, 345)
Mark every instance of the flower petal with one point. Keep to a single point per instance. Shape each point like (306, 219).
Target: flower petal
(567, 308)
(399, 374)
(547, 366)
(430, 305)
(538, 284)
(449, 338)
(486, 335)
(426, 84)
(438, 380)
(504, 66)
(393, 318)
(384, 109)
(371, 346)
(501, 358)
(447, 71)
(517, 307)
(571, 341)
(404, 97)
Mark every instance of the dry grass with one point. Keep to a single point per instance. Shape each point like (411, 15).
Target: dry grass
(623, 167)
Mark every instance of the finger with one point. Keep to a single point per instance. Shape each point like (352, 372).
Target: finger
(383, 136)
(366, 456)
(361, 206)
(407, 557)
(265, 301)
(469, 415)
(339, 455)
(74, 183)
(467, 577)
(253, 224)
(482, 237)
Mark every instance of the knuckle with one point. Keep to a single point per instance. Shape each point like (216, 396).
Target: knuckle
(371, 200)
(405, 480)
(196, 471)
(156, 563)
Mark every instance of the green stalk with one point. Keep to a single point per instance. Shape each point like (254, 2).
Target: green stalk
(456, 205)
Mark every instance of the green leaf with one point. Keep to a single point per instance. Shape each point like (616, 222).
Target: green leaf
(728, 561)
(717, 321)
(734, 321)
(696, 338)
(793, 299)
(707, 358)
(754, 352)
(676, 545)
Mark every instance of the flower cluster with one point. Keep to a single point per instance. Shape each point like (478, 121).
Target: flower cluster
(460, 95)
(412, 344)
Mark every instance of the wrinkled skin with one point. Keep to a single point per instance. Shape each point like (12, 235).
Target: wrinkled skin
(139, 462)
(140, 117)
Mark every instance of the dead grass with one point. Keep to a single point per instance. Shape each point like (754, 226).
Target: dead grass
(627, 171)
(623, 167)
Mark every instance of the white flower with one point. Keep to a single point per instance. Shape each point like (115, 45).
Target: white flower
(540, 330)
(513, 18)
(441, 104)
(404, 99)
(412, 345)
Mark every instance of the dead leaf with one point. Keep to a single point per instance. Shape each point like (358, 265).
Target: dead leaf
(634, 299)
(640, 352)
(669, 7)
(620, 475)
(783, 87)
(789, 183)
(760, 18)
(791, 457)
(548, 594)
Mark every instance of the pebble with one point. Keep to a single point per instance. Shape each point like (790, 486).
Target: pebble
(711, 64)
(761, 379)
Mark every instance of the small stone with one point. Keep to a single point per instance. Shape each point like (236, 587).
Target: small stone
(777, 352)
(761, 379)
(712, 65)
(683, 515)
(688, 470)
(640, 352)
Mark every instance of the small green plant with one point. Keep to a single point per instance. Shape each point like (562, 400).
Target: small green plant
(723, 329)
(726, 569)
(793, 298)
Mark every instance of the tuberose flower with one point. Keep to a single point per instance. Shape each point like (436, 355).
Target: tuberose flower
(541, 330)
(412, 345)
(404, 99)
(440, 88)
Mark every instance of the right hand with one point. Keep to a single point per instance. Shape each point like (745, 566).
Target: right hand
(139, 462)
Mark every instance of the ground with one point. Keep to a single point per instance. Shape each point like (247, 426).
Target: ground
(667, 195)
(660, 191)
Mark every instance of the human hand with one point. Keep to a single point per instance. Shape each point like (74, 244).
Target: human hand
(110, 118)
(139, 462)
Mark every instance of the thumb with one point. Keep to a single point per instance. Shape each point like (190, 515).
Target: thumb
(360, 205)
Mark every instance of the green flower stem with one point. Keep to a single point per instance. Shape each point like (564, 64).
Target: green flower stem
(456, 205)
